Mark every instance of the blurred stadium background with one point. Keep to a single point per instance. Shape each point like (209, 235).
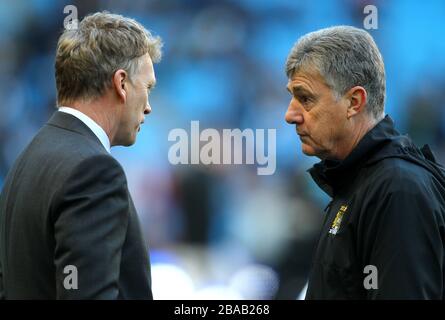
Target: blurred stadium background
(223, 232)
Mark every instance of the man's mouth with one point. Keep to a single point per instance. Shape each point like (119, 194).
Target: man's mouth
(299, 132)
(303, 137)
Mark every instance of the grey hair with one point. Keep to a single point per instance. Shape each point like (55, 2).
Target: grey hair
(87, 57)
(345, 57)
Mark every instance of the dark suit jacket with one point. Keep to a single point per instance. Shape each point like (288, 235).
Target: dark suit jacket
(65, 203)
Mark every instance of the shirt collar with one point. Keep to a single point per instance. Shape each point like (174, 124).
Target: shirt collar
(90, 123)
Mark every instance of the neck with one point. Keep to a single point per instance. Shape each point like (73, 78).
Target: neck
(100, 111)
(359, 130)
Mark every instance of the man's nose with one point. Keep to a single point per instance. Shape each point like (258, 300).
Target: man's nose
(293, 114)
(147, 109)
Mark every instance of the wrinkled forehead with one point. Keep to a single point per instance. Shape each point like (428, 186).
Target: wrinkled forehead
(307, 78)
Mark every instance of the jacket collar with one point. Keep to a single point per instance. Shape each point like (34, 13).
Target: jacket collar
(69, 122)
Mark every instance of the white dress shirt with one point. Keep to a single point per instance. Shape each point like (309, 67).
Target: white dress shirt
(90, 123)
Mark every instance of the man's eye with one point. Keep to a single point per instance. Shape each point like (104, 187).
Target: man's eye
(304, 99)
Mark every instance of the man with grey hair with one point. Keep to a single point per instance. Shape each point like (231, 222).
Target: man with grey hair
(68, 225)
(384, 231)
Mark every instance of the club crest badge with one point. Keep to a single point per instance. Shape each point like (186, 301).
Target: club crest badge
(337, 221)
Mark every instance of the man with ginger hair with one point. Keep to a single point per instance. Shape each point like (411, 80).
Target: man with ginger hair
(68, 225)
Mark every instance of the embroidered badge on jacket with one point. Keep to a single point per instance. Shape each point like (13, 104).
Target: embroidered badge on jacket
(337, 221)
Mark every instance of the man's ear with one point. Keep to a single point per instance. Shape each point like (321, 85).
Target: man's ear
(357, 97)
(120, 84)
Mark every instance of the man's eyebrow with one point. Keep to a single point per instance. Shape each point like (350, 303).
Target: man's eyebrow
(298, 89)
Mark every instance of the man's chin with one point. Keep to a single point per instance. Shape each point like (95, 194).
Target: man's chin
(127, 142)
(308, 150)
(131, 142)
